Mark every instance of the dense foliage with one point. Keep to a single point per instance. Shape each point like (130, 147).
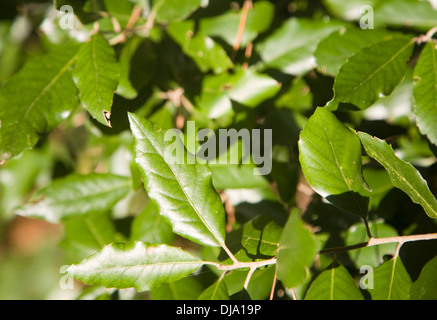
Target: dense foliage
(97, 202)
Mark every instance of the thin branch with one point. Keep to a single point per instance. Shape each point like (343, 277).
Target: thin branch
(246, 7)
(249, 275)
(241, 265)
(377, 241)
(426, 37)
(272, 292)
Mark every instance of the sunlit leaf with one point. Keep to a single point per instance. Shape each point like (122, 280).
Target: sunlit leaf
(183, 191)
(138, 265)
(330, 155)
(402, 174)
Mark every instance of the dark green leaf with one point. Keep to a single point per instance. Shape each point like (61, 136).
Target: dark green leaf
(36, 100)
(425, 287)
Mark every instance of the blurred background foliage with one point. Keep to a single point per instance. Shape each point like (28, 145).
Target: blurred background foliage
(32, 252)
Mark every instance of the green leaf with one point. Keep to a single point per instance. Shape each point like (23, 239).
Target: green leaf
(419, 15)
(372, 73)
(425, 92)
(188, 288)
(334, 284)
(174, 10)
(391, 281)
(36, 100)
(402, 174)
(76, 195)
(138, 265)
(205, 52)
(226, 25)
(96, 76)
(348, 10)
(425, 287)
(374, 255)
(183, 191)
(294, 56)
(297, 249)
(246, 87)
(150, 226)
(234, 176)
(217, 291)
(86, 235)
(256, 239)
(333, 51)
(330, 156)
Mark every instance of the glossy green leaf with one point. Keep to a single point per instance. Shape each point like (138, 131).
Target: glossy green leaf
(205, 52)
(138, 265)
(297, 249)
(36, 100)
(183, 191)
(291, 47)
(330, 156)
(334, 284)
(425, 92)
(226, 25)
(217, 291)
(402, 174)
(96, 76)
(391, 281)
(373, 256)
(425, 287)
(372, 73)
(76, 195)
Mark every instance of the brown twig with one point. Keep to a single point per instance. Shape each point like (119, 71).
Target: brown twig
(246, 7)
(120, 38)
(378, 241)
